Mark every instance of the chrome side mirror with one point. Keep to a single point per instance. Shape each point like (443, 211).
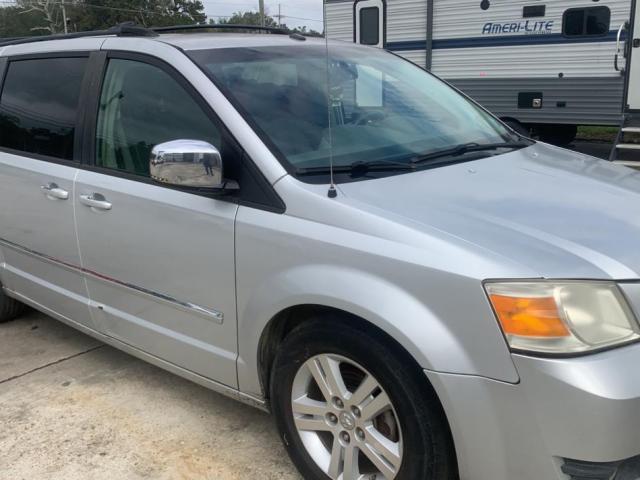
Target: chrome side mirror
(188, 164)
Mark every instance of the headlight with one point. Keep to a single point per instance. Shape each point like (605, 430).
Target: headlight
(562, 317)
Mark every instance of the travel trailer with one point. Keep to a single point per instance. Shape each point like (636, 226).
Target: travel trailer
(542, 66)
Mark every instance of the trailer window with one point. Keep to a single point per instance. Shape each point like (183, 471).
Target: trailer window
(590, 21)
(370, 26)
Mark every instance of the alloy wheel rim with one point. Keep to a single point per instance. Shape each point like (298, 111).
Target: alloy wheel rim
(346, 420)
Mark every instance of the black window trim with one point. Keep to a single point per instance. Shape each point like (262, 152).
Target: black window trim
(273, 202)
(78, 131)
(4, 64)
(592, 7)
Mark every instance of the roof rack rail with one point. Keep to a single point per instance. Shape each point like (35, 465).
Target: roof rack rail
(11, 39)
(130, 29)
(220, 26)
(127, 29)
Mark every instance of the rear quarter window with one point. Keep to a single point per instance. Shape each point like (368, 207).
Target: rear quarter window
(39, 105)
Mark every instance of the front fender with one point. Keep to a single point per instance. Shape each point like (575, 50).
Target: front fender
(426, 295)
(435, 342)
(383, 304)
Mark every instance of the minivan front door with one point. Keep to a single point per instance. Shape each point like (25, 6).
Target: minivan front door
(39, 108)
(159, 262)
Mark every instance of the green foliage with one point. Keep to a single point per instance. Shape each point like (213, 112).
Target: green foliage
(99, 14)
(16, 22)
(253, 18)
(248, 18)
(34, 17)
(41, 17)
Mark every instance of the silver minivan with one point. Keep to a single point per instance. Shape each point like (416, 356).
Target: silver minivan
(328, 232)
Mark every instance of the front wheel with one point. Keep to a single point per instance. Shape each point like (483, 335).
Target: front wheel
(348, 407)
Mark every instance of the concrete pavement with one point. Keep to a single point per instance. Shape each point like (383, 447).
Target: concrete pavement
(72, 408)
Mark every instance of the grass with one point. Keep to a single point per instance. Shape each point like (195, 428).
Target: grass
(602, 134)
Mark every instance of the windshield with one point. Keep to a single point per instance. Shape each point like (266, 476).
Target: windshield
(380, 107)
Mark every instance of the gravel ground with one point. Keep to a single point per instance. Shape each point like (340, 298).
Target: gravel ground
(72, 408)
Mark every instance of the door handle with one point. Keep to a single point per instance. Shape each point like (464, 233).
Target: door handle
(95, 200)
(52, 190)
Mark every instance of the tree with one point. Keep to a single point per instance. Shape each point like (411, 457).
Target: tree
(15, 22)
(248, 18)
(49, 11)
(37, 17)
(253, 18)
(100, 14)
(107, 13)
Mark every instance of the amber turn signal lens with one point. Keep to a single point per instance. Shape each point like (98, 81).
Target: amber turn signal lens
(529, 317)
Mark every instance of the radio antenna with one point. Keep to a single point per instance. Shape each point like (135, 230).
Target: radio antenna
(332, 193)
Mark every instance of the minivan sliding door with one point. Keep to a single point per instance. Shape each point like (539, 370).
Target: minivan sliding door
(40, 112)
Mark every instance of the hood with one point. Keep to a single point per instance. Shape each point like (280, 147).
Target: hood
(560, 213)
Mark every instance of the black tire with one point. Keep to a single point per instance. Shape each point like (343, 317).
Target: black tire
(560, 135)
(424, 428)
(9, 307)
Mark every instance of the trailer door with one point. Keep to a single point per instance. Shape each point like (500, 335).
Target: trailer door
(634, 66)
(369, 22)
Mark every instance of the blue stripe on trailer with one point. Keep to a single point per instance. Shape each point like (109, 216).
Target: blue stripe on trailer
(505, 41)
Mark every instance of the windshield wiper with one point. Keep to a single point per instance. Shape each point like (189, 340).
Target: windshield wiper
(357, 169)
(461, 149)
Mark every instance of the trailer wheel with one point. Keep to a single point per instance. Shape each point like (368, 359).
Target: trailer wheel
(561, 135)
(517, 127)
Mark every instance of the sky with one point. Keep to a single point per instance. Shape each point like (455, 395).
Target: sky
(307, 12)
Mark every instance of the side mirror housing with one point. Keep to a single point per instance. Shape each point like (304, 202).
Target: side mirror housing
(189, 164)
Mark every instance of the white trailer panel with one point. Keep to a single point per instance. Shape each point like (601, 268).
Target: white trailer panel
(339, 20)
(633, 99)
(513, 56)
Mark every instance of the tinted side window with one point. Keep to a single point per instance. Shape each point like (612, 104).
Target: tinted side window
(141, 106)
(586, 21)
(39, 104)
(370, 26)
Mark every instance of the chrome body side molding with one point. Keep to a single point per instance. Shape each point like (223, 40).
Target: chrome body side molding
(215, 315)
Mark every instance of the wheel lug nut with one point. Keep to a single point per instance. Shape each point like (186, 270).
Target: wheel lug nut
(332, 418)
(344, 436)
(356, 412)
(360, 433)
(338, 403)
